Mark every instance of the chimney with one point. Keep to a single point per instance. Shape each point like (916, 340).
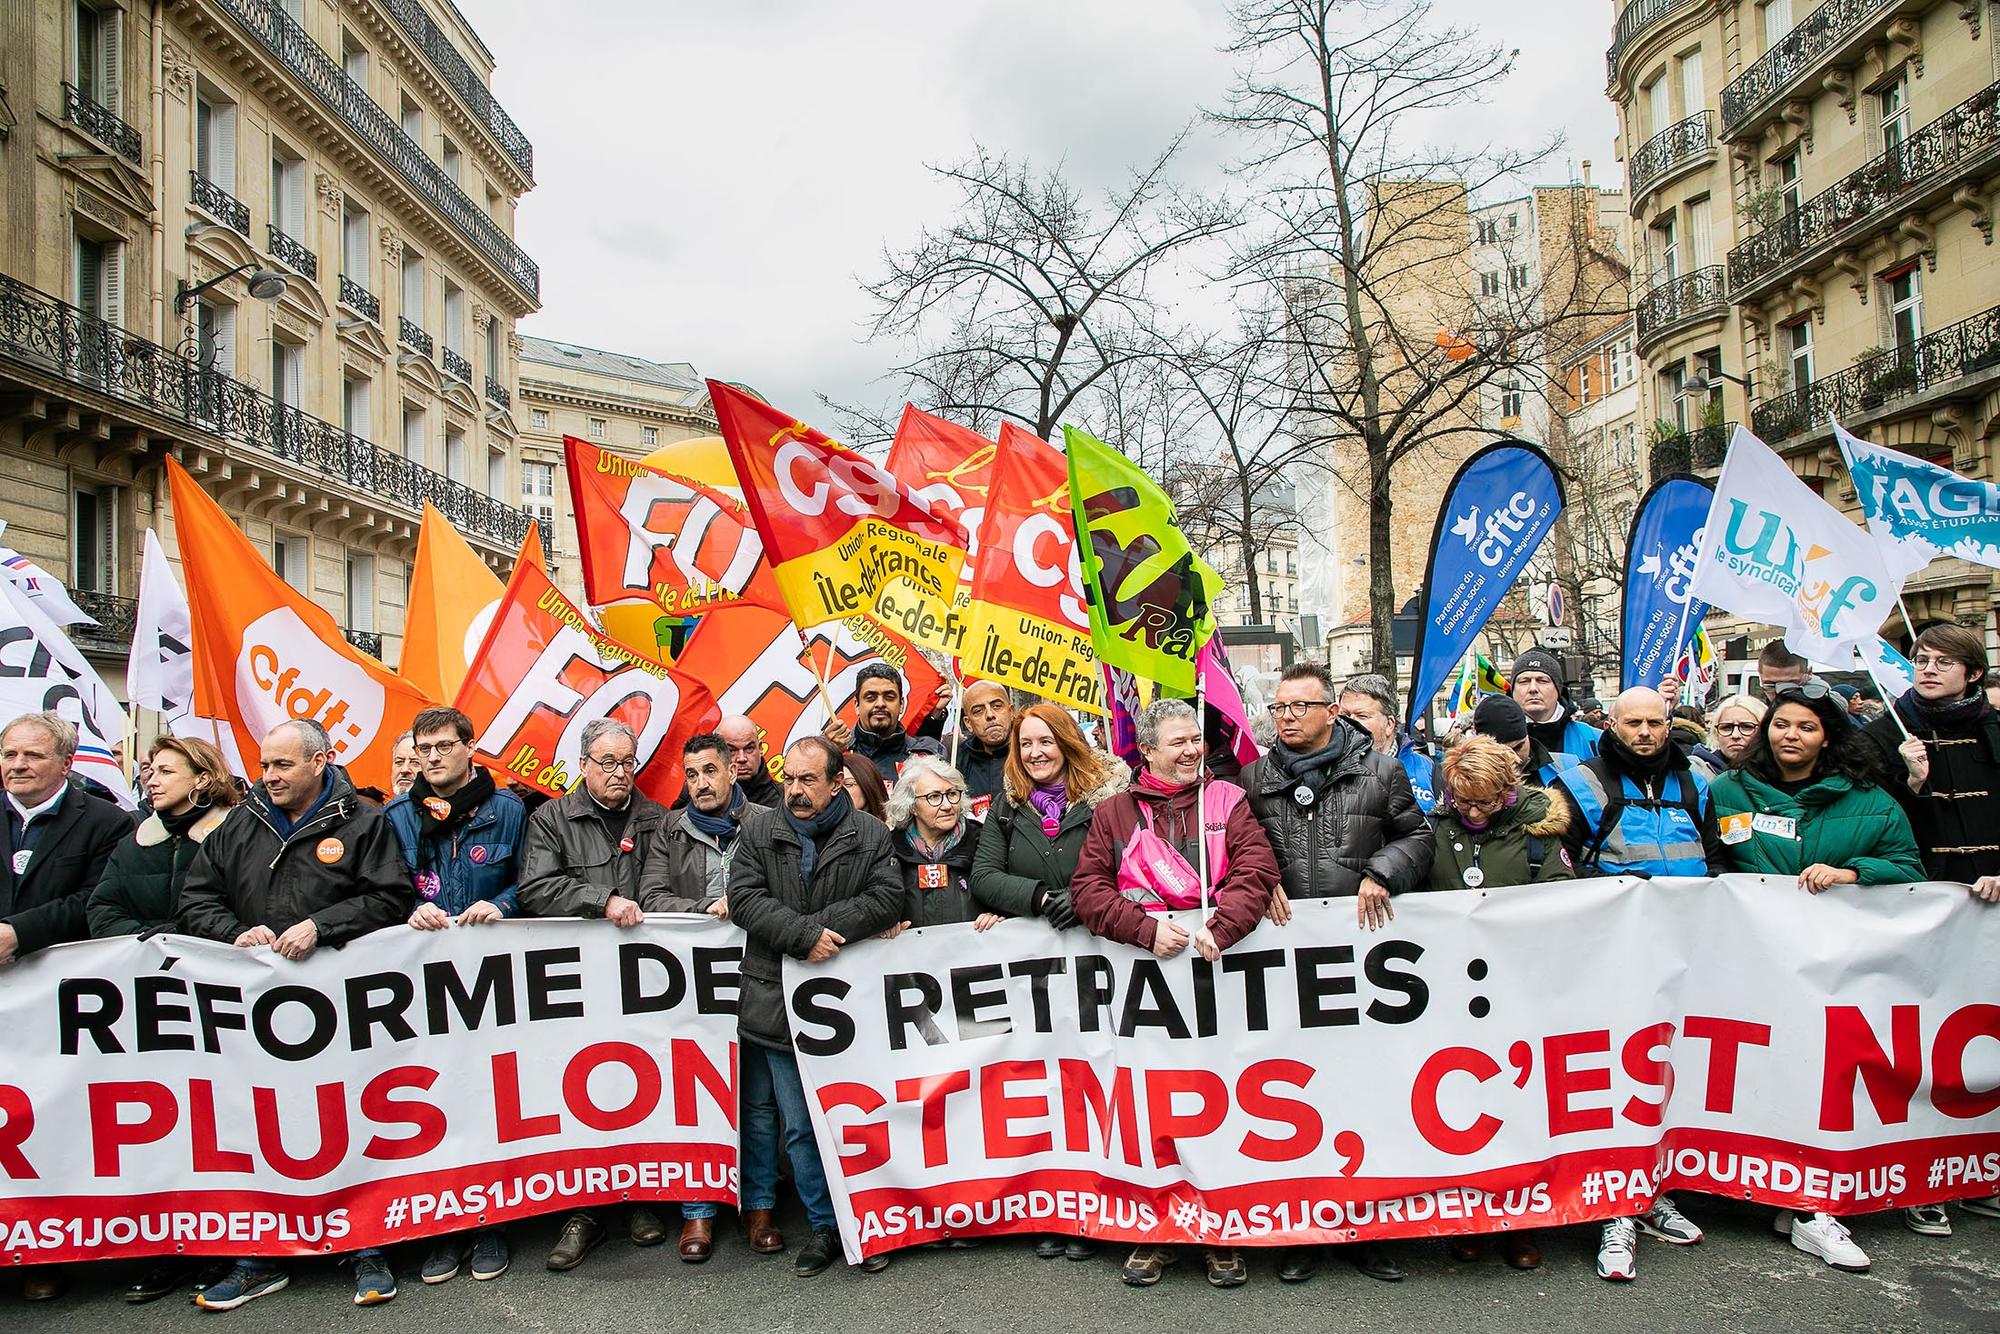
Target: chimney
(1586, 171)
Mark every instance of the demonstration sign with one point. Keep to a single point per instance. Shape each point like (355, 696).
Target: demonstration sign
(1522, 1059)
(175, 1096)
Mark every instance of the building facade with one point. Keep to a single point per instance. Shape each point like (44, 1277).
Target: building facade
(1812, 191)
(274, 240)
(612, 399)
(1600, 425)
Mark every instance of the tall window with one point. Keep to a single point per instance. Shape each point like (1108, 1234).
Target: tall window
(413, 285)
(354, 407)
(454, 163)
(454, 317)
(288, 191)
(287, 373)
(416, 447)
(454, 454)
(538, 489)
(493, 367)
(1701, 251)
(538, 419)
(291, 558)
(354, 60)
(94, 540)
(1517, 277)
(99, 269)
(650, 435)
(496, 473)
(1659, 106)
(1693, 97)
(1510, 400)
(1906, 306)
(360, 591)
(1799, 351)
(412, 119)
(354, 244)
(1489, 284)
(1619, 364)
(215, 139)
(1777, 21)
(1666, 250)
(215, 334)
(597, 428)
(99, 68)
(1791, 184)
(1671, 380)
(1892, 107)
(1488, 231)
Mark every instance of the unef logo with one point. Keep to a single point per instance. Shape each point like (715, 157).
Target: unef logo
(1766, 548)
(286, 671)
(1494, 540)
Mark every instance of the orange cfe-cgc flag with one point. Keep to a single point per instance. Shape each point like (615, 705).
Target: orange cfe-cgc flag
(452, 600)
(265, 652)
(843, 535)
(544, 673)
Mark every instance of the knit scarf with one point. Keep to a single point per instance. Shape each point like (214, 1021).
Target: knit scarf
(1050, 800)
(1941, 715)
(1645, 770)
(438, 816)
(935, 852)
(1310, 768)
(721, 828)
(178, 825)
(813, 828)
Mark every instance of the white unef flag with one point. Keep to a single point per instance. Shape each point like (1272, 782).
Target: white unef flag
(40, 669)
(1775, 552)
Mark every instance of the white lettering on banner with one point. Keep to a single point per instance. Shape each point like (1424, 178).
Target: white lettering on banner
(1503, 527)
(286, 671)
(543, 687)
(412, 1084)
(1692, 1037)
(682, 544)
(1034, 530)
(970, 517)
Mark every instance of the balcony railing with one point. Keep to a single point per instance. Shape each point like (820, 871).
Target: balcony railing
(456, 366)
(360, 300)
(478, 99)
(1699, 450)
(292, 254)
(1966, 348)
(1635, 18)
(116, 619)
(412, 336)
(1690, 296)
(1969, 131)
(1680, 143)
(80, 110)
(218, 203)
(277, 32)
(40, 331)
(1779, 68)
(368, 641)
(496, 393)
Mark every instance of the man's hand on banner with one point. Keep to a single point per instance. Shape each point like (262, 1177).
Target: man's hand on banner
(1280, 911)
(986, 921)
(1987, 887)
(621, 911)
(896, 930)
(299, 941)
(1205, 946)
(430, 917)
(1169, 939)
(1372, 908)
(1819, 876)
(255, 936)
(720, 908)
(485, 910)
(1916, 762)
(9, 942)
(826, 946)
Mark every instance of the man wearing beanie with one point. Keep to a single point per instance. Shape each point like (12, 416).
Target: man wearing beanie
(1537, 686)
(1501, 719)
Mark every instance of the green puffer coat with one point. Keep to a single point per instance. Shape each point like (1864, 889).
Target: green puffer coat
(141, 885)
(1500, 850)
(1836, 822)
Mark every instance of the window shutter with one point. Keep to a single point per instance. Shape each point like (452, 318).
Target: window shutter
(111, 60)
(1701, 251)
(107, 540)
(294, 220)
(1693, 96)
(293, 364)
(111, 284)
(89, 278)
(225, 339)
(222, 123)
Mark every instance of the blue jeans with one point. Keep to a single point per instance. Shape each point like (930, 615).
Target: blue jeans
(770, 1084)
(697, 1209)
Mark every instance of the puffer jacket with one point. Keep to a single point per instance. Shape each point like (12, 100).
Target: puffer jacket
(937, 893)
(1836, 822)
(1016, 860)
(140, 890)
(856, 892)
(1501, 850)
(1366, 823)
(571, 865)
(483, 859)
(340, 867)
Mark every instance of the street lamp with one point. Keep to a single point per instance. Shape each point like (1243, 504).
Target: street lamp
(265, 285)
(1698, 384)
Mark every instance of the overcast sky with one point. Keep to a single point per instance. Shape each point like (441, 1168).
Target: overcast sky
(717, 177)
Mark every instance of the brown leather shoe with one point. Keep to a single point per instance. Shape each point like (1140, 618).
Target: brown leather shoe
(697, 1239)
(44, 1284)
(1465, 1250)
(645, 1227)
(1522, 1252)
(761, 1233)
(580, 1235)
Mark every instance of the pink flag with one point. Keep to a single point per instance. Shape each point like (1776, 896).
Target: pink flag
(1219, 687)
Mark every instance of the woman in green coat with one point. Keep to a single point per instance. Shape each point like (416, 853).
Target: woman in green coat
(190, 790)
(1805, 801)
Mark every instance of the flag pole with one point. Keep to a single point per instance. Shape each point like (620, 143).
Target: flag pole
(1847, 459)
(1890, 697)
(1200, 820)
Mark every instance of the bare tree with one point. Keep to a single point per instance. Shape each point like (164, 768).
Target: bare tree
(1393, 353)
(1029, 298)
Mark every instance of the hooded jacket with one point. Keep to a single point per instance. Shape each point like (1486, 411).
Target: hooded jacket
(340, 867)
(1835, 821)
(1016, 860)
(1365, 824)
(141, 887)
(1501, 850)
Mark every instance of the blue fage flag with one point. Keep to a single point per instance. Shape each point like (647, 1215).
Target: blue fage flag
(1661, 612)
(1919, 511)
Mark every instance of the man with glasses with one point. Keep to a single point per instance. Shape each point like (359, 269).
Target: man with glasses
(745, 741)
(1344, 822)
(806, 879)
(597, 852)
(461, 838)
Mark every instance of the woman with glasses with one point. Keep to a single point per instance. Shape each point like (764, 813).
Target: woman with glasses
(934, 844)
(1730, 729)
(1805, 802)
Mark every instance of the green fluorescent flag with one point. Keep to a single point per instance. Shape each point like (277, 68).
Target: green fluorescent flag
(1149, 593)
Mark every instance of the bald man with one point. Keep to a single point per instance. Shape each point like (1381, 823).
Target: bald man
(1637, 808)
(986, 719)
(746, 761)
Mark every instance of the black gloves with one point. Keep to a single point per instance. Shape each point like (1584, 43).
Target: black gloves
(1056, 909)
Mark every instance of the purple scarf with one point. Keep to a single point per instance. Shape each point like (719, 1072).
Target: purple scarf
(1051, 800)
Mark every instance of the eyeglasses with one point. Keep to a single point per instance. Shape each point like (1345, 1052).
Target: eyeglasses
(1802, 690)
(951, 796)
(1935, 660)
(1298, 710)
(1736, 729)
(613, 766)
(429, 749)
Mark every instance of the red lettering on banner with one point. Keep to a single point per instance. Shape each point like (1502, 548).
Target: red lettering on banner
(645, 1094)
(1084, 1100)
(208, 1155)
(379, 1107)
(870, 1141)
(1852, 1050)
(332, 1106)
(1563, 1083)
(511, 1125)
(1165, 1125)
(691, 1066)
(17, 1122)
(931, 1091)
(1725, 1038)
(998, 1109)
(1253, 1096)
(1948, 1091)
(1636, 1057)
(109, 1135)
(1440, 1133)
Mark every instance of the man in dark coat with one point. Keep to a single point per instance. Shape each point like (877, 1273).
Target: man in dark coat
(805, 880)
(746, 761)
(878, 733)
(986, 716)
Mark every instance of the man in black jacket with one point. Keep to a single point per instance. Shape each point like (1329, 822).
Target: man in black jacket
(746, 760)
(986, 716)
(878, 731)
(805, 879)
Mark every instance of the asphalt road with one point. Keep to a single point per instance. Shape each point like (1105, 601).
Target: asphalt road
(1742, 1277)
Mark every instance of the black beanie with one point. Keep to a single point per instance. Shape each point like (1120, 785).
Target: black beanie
(1500, 718)
(1539, 659)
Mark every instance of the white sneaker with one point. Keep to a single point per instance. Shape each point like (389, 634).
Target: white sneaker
(1614, 1252)
(1928, 1220)
(1822, 1235)
(1668, 1223)
(1986, 1206)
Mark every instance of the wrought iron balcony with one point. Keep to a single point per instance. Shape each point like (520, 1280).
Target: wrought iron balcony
(116, 619)
(1783, 67)
(455, 365)
(95, 120)
(413, 19)
(360, 300)
(496, 393)
(280, 34)
(1688, 297)
(368, 641)
(1878, 193)
(1970, 347)
(292, 254)
(1635, 18)
(411, 335)
(56, 338)
(218, 203)
(1681, 143)
(1699, 450)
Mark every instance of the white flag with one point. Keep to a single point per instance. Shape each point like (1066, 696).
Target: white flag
(160, 673)
(40, 669)
(43, 587)
(1919, 511)
(1775, 552)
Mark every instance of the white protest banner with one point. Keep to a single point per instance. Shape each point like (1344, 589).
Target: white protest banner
(175, 1096)
(1520, 1058)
